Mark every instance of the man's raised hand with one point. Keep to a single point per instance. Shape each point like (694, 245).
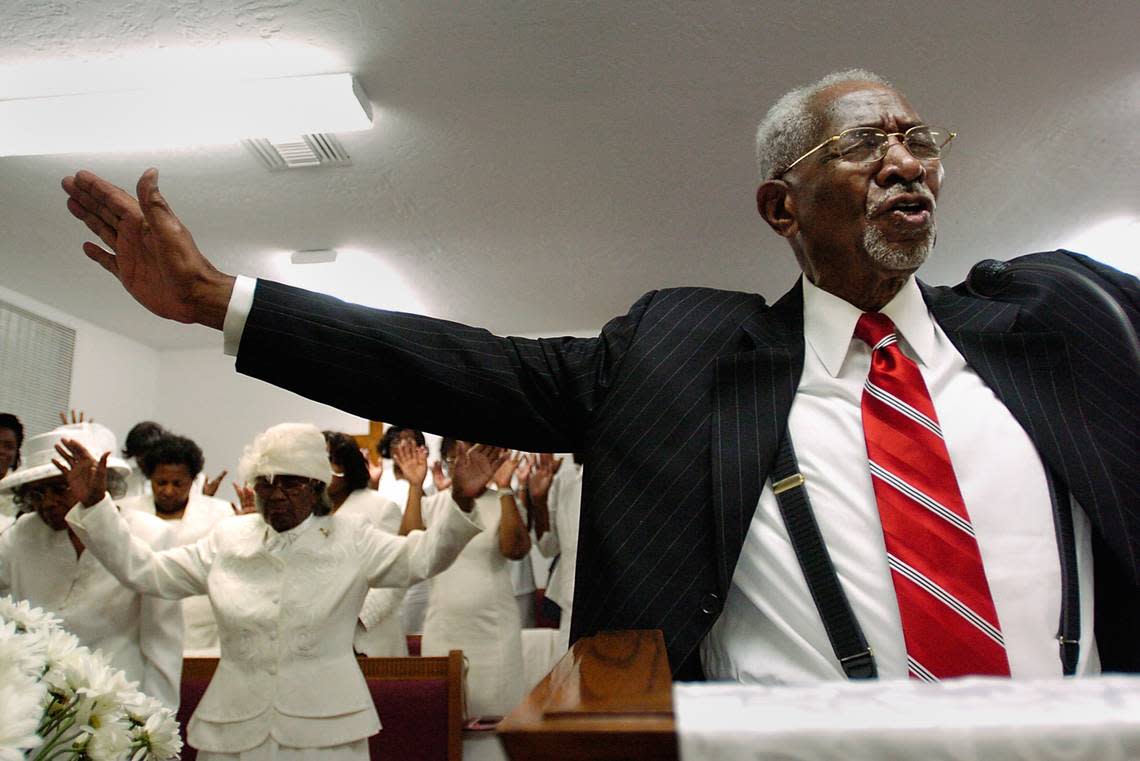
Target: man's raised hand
(148, 250)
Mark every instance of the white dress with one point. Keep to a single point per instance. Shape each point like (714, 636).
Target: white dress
(140, 634)
(379, 632)
(200, 633)
(565, 505)
(471, 607)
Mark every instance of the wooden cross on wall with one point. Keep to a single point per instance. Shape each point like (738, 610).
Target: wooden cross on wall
(369, 440)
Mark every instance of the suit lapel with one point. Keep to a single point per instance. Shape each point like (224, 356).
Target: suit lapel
(1030, 372)
(752, 396)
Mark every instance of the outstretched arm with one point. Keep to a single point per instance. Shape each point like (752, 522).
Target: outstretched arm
(412, 462)
(148, 249)
(172, 574)
(532, 395)
(514, 539)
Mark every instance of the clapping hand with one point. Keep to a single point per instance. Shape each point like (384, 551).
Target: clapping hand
(80, 418)
(375, 469)
(474, 468)
(150, 252)
(438, 477)
(86, 477)
(541, 476)
(522, 473)
(246, 499)
(411, 459)
(210, 488)
(505, 471)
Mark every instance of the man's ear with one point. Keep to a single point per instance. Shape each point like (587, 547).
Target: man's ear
(777, 207)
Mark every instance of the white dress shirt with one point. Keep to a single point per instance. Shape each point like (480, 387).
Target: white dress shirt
(140, 634)
(770, 630)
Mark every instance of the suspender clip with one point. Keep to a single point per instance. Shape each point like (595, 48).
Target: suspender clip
(860, 666)
(791, 482)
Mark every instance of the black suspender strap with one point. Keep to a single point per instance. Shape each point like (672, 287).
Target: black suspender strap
(1069, 629)
(856, 658)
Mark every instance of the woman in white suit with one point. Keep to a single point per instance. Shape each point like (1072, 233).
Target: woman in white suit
(286, 585)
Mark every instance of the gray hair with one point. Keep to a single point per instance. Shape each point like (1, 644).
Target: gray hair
(791, 126)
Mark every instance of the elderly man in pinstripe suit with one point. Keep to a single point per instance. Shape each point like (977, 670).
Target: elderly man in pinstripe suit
(686, 407)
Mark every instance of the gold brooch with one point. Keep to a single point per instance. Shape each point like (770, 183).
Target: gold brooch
(324, 531)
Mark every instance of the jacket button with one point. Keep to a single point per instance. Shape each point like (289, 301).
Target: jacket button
(710, 604)
(272, 668)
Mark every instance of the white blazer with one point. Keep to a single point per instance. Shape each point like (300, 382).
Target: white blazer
(142, 635)
(286, 606)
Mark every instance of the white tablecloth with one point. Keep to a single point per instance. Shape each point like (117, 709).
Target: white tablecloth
(996, 720)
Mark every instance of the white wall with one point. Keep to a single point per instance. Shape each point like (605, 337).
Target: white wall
(114, 379)
(201, 396)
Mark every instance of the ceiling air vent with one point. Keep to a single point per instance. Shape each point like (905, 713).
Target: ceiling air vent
(321, 149)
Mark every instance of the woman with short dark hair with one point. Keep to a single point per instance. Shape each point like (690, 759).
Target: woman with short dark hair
(379, 633)
(140, 439)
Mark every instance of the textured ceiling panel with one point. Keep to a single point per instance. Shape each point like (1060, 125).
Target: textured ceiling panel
(568, 154)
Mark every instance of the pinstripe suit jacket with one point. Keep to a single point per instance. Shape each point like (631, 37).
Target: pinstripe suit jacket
(679, 406)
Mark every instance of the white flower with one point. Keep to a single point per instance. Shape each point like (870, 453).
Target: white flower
(58, 698)
(17, 660)
(101, 698)
(159, 736)
(25, 616)
(19, 717)
(140, 707)
(108, 742)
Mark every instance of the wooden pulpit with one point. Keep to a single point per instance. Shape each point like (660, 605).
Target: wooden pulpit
(610, 697)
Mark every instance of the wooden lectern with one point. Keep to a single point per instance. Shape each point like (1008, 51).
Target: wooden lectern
(609, 698)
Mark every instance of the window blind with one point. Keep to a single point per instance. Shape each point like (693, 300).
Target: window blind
(35, 368)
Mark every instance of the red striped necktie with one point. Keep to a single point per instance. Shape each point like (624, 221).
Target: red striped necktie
(948, 617)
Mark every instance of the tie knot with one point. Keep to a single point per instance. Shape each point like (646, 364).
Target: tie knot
(873, 328)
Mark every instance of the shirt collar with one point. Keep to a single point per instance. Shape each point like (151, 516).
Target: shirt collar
(275, 539)
(829, 324)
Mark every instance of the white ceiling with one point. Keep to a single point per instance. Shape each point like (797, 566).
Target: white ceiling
(536, 166)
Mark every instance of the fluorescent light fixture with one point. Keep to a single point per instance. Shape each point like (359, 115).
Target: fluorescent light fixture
(204, 114)
(1114, 241)
(314, 256)
(360, 276)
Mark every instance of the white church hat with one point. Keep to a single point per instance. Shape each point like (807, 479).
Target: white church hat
(39, 451)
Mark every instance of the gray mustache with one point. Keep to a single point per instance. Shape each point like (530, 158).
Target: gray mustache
(894, 191)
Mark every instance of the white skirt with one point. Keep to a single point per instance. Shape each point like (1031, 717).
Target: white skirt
(271, 751)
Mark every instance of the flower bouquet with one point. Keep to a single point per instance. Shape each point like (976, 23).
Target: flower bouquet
(59, 700)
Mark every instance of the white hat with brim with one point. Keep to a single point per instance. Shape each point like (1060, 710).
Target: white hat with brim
(40, 450)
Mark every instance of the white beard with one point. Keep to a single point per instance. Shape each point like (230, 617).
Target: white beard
(898, 256)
